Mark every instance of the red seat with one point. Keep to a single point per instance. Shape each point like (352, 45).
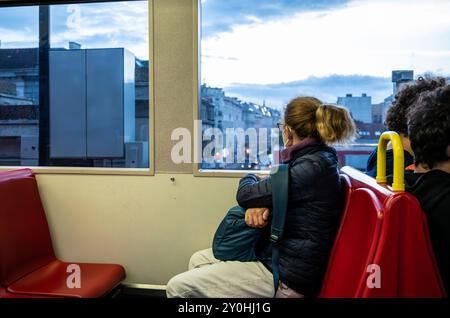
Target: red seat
(397, 241)
(50, 280)
(355, 245)
(14, 174)
(5, 294)
(404, 253)
(27, 262)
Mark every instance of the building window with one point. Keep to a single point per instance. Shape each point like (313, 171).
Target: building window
(74, 85)
(257, 55)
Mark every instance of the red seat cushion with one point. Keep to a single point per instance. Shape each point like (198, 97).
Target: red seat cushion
(25, 243)
(97, 280)
(5, 294)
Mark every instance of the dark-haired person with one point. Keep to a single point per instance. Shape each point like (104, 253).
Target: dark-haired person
(312, 219)
(396, 121)
(429, 132)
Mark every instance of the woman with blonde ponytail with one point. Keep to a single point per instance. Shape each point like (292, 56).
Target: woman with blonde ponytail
(334, 124)
(314, 209)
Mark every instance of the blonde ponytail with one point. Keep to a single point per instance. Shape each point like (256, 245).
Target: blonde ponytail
(308, 117)
(334, 124)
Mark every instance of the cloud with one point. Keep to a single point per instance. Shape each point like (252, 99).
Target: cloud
(101, 25)
(363, 37)
(18, 38)
(19, 27)
(104, 25)
(221, 16)
(328, 89)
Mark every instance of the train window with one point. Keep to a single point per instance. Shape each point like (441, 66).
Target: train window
(74, 85)
(257, 55)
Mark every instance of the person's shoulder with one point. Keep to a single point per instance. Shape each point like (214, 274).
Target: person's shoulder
(437, 175)
(410, 178)
(315, 163)
(371, 165)
(432, 180)
(307, 167)
(435, 185)
(320, 154)
(409, 158)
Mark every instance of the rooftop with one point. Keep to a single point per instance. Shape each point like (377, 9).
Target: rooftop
(19, 58)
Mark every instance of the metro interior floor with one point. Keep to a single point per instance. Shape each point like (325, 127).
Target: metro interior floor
(124, 291)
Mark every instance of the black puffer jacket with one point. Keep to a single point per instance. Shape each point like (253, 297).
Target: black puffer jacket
(312, 220)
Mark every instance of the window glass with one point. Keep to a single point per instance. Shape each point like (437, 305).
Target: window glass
(19, 86)
(93, 106)
(256, 55)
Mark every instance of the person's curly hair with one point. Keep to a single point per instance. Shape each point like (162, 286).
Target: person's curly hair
(396, 113)
(429, 127)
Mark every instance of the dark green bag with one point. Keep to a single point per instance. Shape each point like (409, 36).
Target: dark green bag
(234, 240)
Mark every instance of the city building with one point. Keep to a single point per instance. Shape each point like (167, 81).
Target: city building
(400, 78)
(377, 113)
(142, 99)
(220, 111)
(19, 73)
(360, 107)
(19, 109)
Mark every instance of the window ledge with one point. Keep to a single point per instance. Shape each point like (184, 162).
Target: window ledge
(228, 173)
(86, 171)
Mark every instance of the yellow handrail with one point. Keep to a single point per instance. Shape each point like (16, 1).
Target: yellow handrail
(399, 161)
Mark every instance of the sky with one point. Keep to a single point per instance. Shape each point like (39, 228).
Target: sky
(326, 88)
(96, 25)
(121, 24)
(271, 50)
(324, 48)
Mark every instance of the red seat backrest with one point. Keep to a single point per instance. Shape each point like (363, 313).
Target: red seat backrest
(347, 188)
(14, 174)
(403, 249)
(404, 253)
(355, 244)
(360, 180)
(25, 243)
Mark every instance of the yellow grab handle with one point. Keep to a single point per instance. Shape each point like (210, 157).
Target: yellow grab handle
(399, 161)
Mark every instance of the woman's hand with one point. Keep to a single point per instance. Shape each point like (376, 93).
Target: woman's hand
(257, 217)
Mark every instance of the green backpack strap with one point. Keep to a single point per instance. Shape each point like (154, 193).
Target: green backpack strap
(280, 188)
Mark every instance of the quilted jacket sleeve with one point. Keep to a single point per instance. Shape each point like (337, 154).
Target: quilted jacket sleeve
(254, 192)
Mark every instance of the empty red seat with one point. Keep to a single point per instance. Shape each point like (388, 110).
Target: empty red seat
(27, 262)
(4, 175)
(50, 280)
(5, 294)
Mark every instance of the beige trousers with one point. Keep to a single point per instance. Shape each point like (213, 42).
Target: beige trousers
(209, 277)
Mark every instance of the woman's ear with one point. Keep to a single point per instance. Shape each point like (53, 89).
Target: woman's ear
(290, 135)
